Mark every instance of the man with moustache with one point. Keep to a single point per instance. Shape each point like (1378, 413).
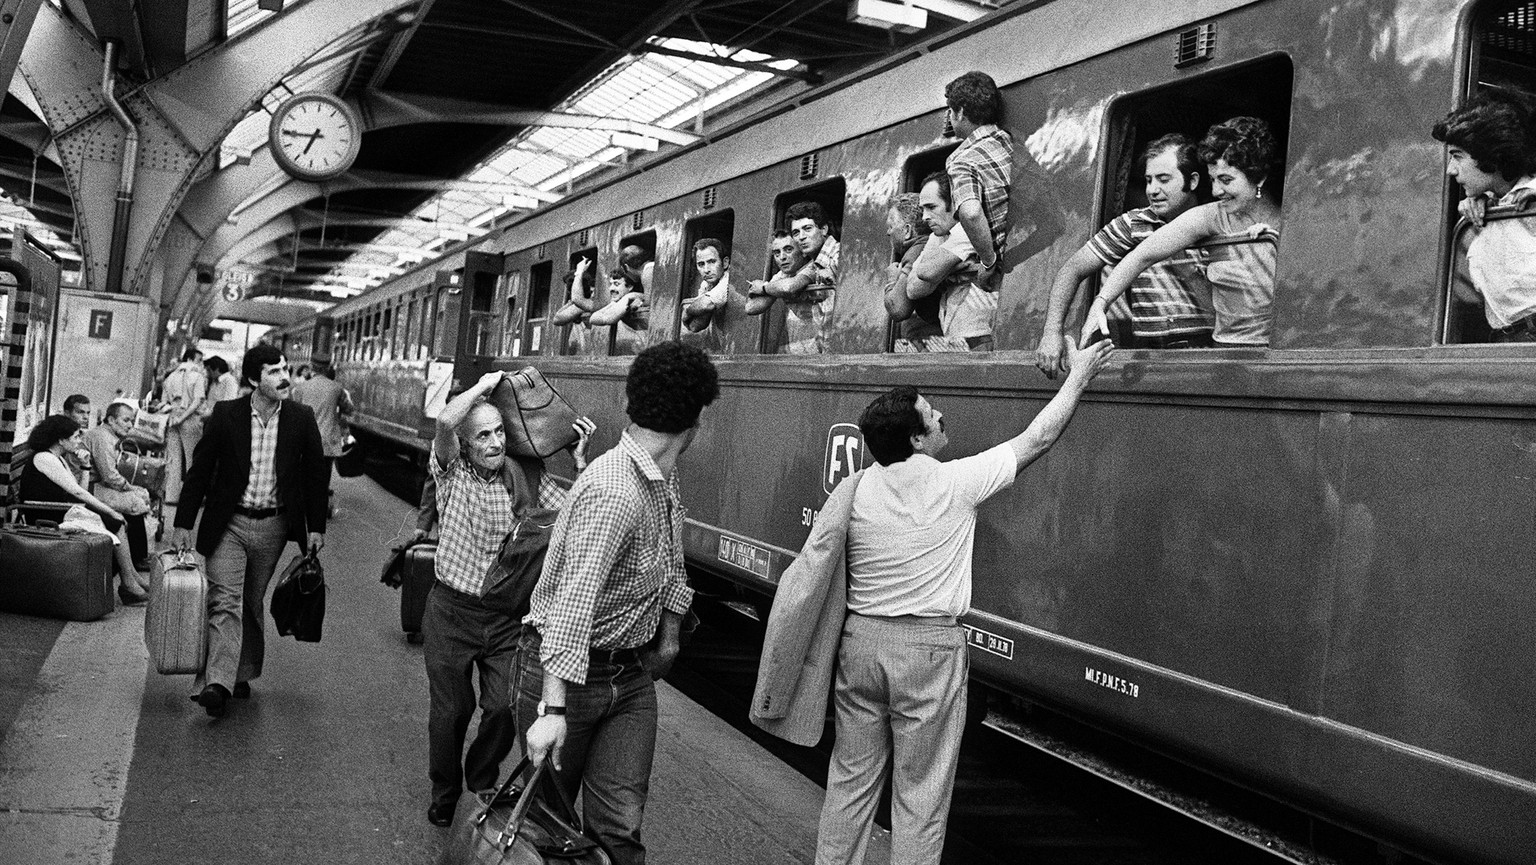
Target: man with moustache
(1170, 302)
(259, 475)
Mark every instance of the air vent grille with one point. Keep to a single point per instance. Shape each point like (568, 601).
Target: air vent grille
(540, 253)
(638, 220)
(1195, 45)
(809, 163)
(584, 237)
(709, 198)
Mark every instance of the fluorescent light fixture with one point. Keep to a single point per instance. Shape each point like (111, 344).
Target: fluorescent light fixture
(636, 142)
(887, 16)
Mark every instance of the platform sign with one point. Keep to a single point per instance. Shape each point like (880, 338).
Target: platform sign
(100, 326)
(844, 455)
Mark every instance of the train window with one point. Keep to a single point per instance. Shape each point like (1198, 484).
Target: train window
(448, 300)
(637, 258)
(510, 326)
(916, 331)
(387, 333)
(1487, 299)
(799, 324)
(720, 324)
(424, 333)
(540, 278)
(1219, 293)
(408, 339)
(571, 316)
(484, 337)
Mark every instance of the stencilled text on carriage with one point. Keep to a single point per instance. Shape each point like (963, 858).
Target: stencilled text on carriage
(1114, 683)
(989, 642)
(750, 558)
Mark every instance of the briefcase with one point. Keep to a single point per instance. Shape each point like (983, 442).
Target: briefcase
(176, 619)
(539, 422)
(514, 825)
(54, 572)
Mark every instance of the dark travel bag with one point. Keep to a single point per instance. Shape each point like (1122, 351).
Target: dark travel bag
(416, 577)
(54, 572)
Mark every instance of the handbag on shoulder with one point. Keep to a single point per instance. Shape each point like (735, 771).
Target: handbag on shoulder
(510, 579)
(298, 602)
(538, 420)
(515, 826)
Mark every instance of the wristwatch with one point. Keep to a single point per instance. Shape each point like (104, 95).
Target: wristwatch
(547, 709)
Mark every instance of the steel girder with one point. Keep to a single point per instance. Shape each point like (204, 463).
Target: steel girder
(182, 116)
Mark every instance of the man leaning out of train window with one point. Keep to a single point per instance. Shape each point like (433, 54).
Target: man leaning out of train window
(581, 281)
(948, 266)
(1490, 149)
(714, 266)
(635, 272)
(916, 320)
(1240, 155)
(810, 294)
(788, 261)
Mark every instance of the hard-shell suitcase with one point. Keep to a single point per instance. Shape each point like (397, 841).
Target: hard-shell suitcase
(416, 581)
(176, 620)
(54, 572)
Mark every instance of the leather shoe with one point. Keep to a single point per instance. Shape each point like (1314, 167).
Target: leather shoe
(212, 699)
(242, 690)
(440, 814)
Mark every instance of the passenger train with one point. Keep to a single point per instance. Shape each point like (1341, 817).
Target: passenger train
(1306, 568)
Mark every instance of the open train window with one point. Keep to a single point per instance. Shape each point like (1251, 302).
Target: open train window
(511, 326)
(1227, 284)
(449, 294)
(573, 329)
(721, 330)
(1487, 262)
(629, 334)
(540, 276)
(484, 336)
(424, 333)
(915, 332)
(800, 325)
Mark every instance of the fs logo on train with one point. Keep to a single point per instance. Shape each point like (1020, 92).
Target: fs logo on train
(845, 455)
(987, 641)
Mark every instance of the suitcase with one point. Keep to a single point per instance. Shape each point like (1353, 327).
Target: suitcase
(176, 619)
(54, 572)
(416, 581)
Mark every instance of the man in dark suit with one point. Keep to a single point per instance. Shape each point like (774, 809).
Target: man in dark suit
(259, 475)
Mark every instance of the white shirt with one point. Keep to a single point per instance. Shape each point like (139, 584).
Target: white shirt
(912, 530)
(1502, 263)
(964, 310)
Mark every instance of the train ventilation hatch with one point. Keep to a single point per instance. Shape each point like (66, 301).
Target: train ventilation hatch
(809, 163)
(1195, 45)
(709, 198)
(583, 237)
(540, 253)
(637, 221)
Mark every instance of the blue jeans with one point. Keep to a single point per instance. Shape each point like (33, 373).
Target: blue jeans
(610, 741)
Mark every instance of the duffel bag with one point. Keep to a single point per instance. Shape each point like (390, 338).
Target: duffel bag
(515, 826)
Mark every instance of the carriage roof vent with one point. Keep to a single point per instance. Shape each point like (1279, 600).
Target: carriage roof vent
(1195, 45)
(709, 198)
(540, 252)
(583, 237)
(637, 221)
(808, 165)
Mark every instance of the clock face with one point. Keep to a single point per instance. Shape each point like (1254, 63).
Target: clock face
(314, 136)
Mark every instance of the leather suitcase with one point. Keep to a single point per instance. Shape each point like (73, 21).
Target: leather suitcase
(176, 619)
(416, 581)
(54, 572)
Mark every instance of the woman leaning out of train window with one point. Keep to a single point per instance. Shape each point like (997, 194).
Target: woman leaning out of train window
(1240, 154)
(1490, 150)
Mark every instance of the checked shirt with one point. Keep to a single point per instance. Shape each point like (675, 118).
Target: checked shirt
(474, 517)
(261, 490)
(615, 561)
(980, 170)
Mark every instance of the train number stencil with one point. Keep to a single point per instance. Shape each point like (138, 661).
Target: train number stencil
(844, 455)
(987, 641)
(1113, 683)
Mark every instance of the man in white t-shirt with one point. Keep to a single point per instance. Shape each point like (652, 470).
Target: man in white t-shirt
(902, 666)
(948, 263)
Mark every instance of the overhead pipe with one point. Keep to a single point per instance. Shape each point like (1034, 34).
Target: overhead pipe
(124, 209)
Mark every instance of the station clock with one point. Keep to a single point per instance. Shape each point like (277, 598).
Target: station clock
(315, 136)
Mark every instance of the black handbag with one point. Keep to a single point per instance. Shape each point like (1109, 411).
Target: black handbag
(510, 579)
(515, 826)
(298, 602)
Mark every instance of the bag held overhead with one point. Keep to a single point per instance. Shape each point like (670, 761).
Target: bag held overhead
(539, 422)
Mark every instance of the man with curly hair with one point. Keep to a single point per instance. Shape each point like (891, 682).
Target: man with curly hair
(606, 614)
(1490, 149)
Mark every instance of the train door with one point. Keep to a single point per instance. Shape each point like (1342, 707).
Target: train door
(727, 329)
(637, 256)
(482, 324)
(798, 327)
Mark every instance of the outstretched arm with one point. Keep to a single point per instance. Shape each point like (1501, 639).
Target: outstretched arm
(1050, 355)
(610, 314)
(1188, 229)
(1047, 426)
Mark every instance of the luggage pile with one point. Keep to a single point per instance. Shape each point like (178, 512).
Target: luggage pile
(46, 570)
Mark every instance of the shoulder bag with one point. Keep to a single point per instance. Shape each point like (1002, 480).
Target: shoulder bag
(509, 581)
(539, 422)
(140, 469)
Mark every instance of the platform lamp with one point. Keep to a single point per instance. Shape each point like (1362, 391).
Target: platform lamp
(270, 5)
(896, 17)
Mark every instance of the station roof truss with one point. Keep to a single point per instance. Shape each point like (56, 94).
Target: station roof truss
(475, 111)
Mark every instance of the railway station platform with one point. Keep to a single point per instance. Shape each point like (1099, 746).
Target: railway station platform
(104, 761)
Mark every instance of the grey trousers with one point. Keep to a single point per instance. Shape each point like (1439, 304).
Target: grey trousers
(900, 711)
(180, 442)
(239, 572)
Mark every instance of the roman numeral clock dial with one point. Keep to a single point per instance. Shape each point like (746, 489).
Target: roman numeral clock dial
(314, 136)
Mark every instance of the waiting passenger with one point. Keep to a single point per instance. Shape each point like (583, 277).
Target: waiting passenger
(917, 320)
(638, 264)
(1239, 153)
(1171, 300)
(628, 311)
(948, 269)
(713, 265)
(811, 294)
(1490, 147)
(980, 169)
(581, 280)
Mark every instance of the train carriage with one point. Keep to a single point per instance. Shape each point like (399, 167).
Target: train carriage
(1303, 567)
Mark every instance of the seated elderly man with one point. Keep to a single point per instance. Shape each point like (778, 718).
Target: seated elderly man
(104, 441)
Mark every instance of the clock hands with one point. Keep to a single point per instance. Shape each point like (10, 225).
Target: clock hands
(314, 136)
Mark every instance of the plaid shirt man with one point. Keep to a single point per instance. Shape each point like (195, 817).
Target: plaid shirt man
(980, 170)
(475, 514)
(261, 491)
(615, 561)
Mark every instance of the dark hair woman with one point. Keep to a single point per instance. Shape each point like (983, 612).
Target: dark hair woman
(1241, 155)
(46, 478)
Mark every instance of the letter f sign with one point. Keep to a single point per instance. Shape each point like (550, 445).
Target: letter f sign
(844, 455)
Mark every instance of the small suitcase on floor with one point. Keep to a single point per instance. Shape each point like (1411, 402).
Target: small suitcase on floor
(416, 580)
(176, 620)
(54, 572)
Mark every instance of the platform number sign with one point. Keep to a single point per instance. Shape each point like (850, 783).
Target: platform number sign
(101, 324)
(845, 455)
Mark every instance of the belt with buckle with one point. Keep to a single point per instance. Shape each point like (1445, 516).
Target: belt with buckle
(616, 657)
(258, 513)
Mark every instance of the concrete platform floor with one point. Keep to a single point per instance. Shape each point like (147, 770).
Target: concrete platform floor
(103, 761)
